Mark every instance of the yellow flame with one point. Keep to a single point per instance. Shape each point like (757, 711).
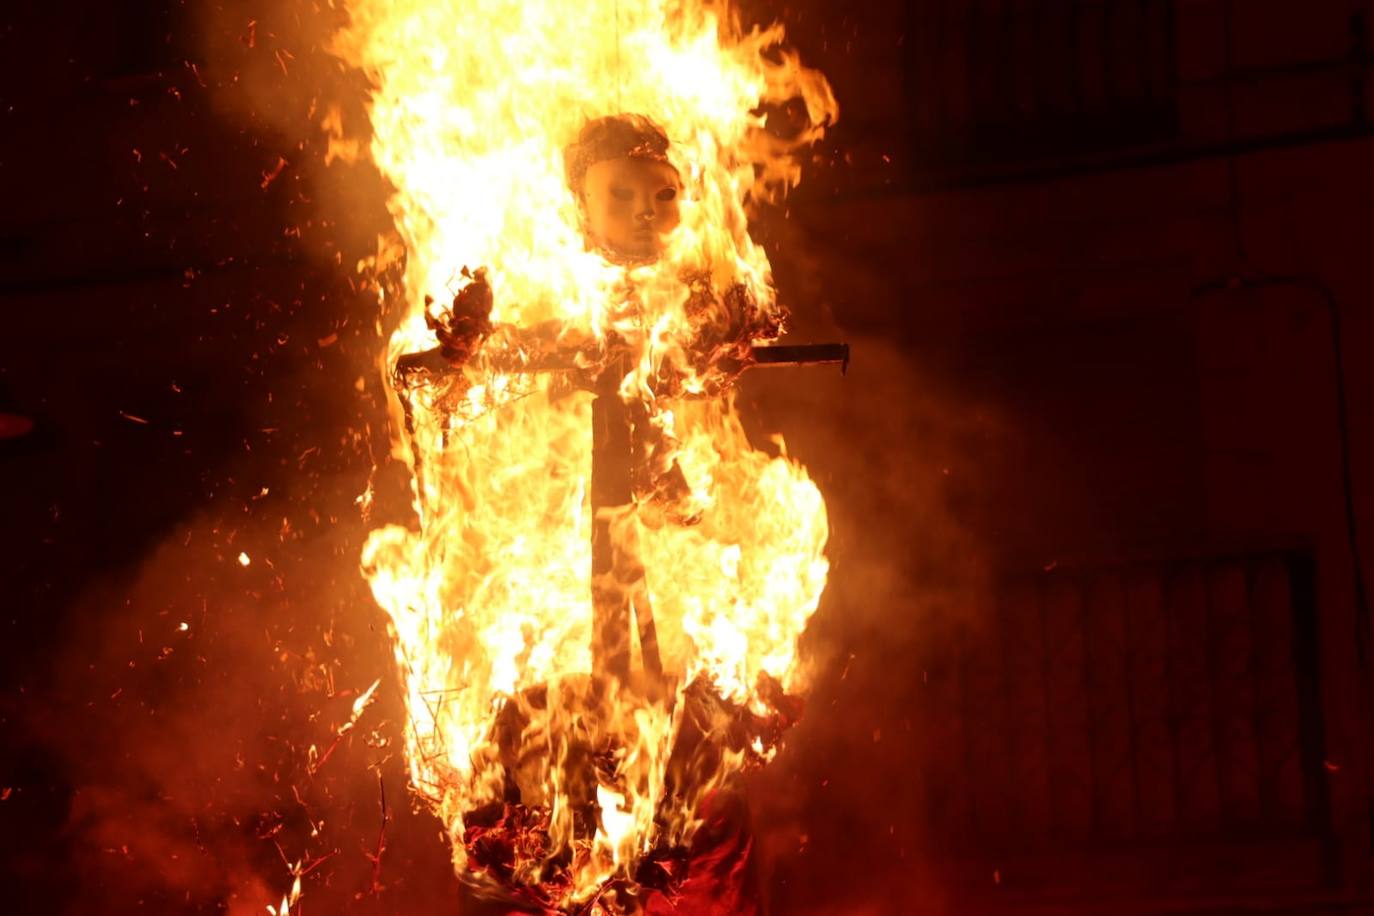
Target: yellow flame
(488, 601)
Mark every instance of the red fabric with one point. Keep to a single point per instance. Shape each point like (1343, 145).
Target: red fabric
(719, 877)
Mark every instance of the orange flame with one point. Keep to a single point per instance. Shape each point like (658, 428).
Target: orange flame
(488, 601)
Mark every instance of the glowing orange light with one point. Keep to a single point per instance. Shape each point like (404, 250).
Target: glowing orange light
(487, 597)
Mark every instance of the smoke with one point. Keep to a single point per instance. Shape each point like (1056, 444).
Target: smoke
(187, 726)
(904, 459)
(189, 691)
(180, 713)
(267, 70)
(186, 729)
(195, 709)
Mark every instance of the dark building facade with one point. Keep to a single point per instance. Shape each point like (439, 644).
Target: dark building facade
(1097, 476)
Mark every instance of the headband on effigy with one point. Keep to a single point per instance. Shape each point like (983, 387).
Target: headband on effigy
(622, 136)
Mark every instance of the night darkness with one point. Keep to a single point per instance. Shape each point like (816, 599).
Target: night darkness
(1094, 639)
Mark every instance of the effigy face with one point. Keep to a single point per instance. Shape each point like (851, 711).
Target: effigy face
(626, 187)
(631, 206)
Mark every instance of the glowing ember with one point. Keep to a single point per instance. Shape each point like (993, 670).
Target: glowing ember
(558, 770)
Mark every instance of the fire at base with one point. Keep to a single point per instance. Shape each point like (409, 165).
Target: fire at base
(564, 773)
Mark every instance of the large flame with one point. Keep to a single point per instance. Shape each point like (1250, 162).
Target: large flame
(489, 601)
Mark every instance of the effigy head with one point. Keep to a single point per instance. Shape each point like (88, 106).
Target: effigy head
(626, 188)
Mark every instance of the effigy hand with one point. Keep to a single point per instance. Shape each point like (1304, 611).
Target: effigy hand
(467, 322)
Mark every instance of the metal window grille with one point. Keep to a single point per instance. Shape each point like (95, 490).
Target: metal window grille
(1125, 707)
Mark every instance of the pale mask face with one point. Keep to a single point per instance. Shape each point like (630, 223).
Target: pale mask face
(631, 206)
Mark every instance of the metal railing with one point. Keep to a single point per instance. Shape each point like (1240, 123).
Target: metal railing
(1158, 705)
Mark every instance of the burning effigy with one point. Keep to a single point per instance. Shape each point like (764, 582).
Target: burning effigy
(596, 612)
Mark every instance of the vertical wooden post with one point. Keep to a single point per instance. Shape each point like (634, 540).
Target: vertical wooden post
(611, 489)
